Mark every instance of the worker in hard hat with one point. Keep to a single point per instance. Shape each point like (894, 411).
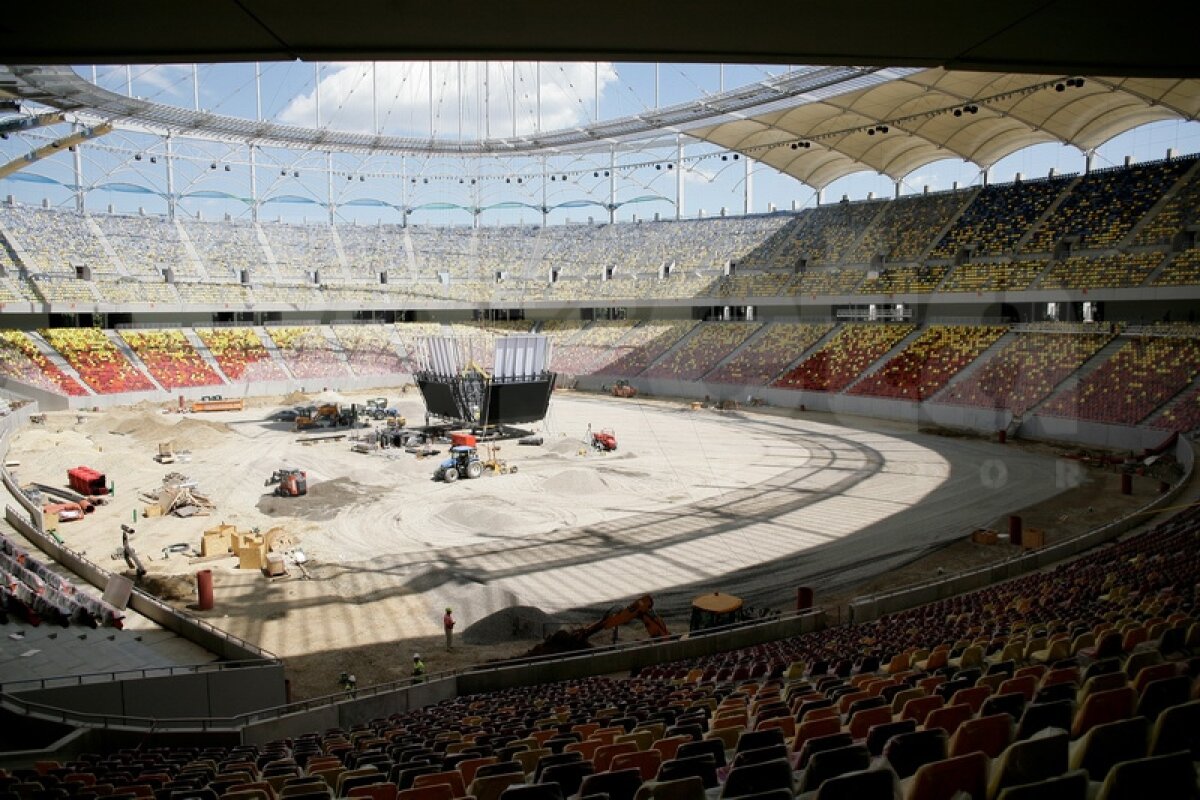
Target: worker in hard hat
(418, 670)
(448, 626)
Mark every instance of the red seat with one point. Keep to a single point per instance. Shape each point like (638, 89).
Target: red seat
(989, 735)
(943, 780)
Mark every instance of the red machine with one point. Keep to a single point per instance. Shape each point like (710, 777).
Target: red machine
(605, 440)
(289, 482)
(88, 481)
(459, 439)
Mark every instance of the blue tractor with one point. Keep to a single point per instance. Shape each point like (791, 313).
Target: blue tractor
(463, 463)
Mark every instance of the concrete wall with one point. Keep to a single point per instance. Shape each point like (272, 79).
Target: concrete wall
(211, 694)
(1097, 434)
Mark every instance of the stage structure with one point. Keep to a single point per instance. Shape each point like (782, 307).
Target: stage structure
(462, 393)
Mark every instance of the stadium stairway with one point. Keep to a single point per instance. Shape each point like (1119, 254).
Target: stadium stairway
(192, 253)
(680, 342)
(1158, 270)
(133, 358)
(983, 358)
(57, 359)
(272, 350)
(817, 345)
(106, 246)
(876, 365)
(734, 352)
(335, 347)
(1075, 378)
(923, 257)
(1152, 212)
(1050, 211)
(1152, 420)
(205, 354)
(268, 254)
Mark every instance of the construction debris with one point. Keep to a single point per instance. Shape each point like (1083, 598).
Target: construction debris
(179, 496)
(166, 453)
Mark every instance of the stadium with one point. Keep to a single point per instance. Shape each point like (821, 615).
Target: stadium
(869, 392)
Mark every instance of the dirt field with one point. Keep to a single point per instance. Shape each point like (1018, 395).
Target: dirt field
(753, 504)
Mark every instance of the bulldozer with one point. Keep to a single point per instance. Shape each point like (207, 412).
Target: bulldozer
(642, 609)
(289, 482)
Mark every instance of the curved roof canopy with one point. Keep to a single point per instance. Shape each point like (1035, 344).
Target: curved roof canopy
(896, 127)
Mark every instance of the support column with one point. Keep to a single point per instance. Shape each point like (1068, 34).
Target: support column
(612, 185)
(545, 209)
(253, 184)
(678, 177)
(77, 161)
(749, 185)
(329, 185)
(171, 178)
(896, 188)
(196, 87)
(403, 192)
(1089, 157)
(317, 91)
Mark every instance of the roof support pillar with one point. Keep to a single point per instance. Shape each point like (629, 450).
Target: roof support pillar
(749, 186)
(329, 186)
(170, 166)
(253, 184)
(612, 185)
(77, 162)
(678, 176)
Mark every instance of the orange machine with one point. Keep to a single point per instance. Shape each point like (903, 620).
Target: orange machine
(577, 639)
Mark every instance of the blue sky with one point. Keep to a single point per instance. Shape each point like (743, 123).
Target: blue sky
(471, 100)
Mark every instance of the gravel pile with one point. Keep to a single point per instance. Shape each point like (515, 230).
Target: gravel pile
(507, 625)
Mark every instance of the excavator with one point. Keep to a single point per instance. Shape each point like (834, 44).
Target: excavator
(577, 639)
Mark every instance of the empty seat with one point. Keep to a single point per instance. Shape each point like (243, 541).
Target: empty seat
(831, 763)
(1105, 745)
(878, 736)
(711, 747)
(942, 780)
(1101, 707)
(755, 779)
(702, 767)
(870, 784)
(1042, 756)
(1039, 716)
(909, 751)
(1177, 728)
(1162, 694)
(1068, 786)
(569, 775)
(619, 784)
(989, 735)
(1172, 775)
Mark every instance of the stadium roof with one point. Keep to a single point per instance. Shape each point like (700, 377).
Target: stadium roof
(898, 126)
(1037, 36)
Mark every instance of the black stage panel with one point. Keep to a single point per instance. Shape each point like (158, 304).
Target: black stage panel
(514, 402)
(439, 397)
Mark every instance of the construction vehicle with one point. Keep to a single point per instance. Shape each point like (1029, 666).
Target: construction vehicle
(714, 610)
(641, 609)
(329, 415)
(377, 409)
(604, 440)
(623, 388)
(463, 463)
(289, 482)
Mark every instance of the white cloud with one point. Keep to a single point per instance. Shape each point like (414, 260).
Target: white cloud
(483, 90)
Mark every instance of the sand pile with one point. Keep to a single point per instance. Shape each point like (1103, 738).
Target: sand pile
(565, 447)
(323, 501)
(187, 434)
(507, 625)
(490, 517)
(575, 481)
(295, 399)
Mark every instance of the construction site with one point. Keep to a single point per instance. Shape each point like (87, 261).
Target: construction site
(341, 545)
